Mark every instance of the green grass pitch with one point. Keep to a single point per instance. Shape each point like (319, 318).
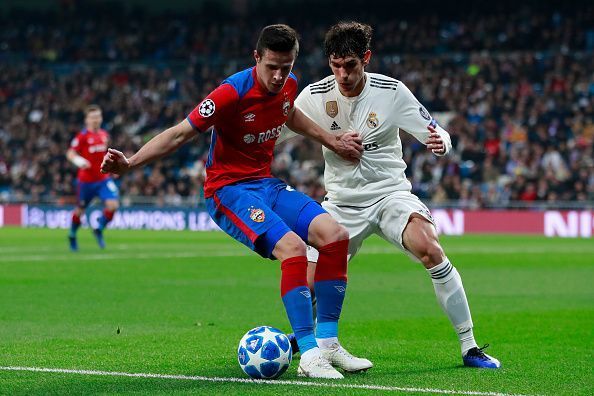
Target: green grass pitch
(182, 301)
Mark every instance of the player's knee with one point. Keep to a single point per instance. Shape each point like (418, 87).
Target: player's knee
(112, 205)
(333, 232)
(340, 233)
(432, 254)
(288, 246)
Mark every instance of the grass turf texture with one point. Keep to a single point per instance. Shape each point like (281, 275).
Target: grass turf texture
(182, 301)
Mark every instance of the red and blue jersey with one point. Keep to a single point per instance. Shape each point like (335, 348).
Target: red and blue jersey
(92, 146)
(246, 121)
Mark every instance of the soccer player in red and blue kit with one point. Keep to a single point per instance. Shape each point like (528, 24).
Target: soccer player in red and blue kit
(86, 151)
(247, 112)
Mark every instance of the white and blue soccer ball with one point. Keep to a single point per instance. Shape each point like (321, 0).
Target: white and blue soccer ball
(264, 353)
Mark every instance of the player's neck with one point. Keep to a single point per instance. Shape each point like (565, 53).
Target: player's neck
(358, 89)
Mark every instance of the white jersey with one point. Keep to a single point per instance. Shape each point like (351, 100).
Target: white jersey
(378, 113)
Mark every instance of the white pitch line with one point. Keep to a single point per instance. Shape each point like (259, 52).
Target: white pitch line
(250, 381)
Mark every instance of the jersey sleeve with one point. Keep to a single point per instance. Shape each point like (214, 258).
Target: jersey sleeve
(412, 116)
(75, 144)
(304, 103)
(214, 108)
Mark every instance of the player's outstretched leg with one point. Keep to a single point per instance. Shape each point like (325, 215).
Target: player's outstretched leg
(330, 283)
(452, 298)
(421, 239)
(74, 226)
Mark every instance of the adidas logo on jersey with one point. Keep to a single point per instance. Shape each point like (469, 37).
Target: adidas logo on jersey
(334, 126)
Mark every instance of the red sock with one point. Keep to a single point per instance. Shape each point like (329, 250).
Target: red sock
(75, 219)
(108, 214)
(294, 273)
(332, 262)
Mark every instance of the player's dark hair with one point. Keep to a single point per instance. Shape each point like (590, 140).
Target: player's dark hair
(347, 39)
(278, 38)
(91, 108)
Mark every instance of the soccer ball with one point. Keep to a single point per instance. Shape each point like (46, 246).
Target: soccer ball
(264, 352)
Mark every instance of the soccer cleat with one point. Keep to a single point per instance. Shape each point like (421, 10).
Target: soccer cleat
(475, 357)
(294, 344)
(341, 358)
(73, 243)
(318, 367)
(99, 237)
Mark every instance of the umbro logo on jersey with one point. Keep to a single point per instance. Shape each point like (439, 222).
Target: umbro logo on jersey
(334, 126)
(250, 117)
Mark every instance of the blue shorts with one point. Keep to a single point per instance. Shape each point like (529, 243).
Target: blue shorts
(259, 213)
(105, 189)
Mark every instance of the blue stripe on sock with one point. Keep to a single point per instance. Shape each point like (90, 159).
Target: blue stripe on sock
(327, 329)
(298, 306)
(330, 296)
(306, 343)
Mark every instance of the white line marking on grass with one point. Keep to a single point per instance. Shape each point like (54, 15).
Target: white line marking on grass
(249, 381)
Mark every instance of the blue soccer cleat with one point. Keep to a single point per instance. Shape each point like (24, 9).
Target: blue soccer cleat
(73, 243)
(475, 357)
(99, 237)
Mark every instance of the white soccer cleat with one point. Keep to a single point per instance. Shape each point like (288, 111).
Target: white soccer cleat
(318, 367)
(341, 358)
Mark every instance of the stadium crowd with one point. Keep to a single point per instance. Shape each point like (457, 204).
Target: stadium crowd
(515, 91)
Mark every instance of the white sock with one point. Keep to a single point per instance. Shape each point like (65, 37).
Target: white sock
(452, 298)
(326, 343)
(309, 355)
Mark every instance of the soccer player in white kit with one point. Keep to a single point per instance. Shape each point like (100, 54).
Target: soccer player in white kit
(373, 196)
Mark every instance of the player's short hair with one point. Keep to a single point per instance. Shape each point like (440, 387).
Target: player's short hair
(278, 38)
(347, 39)
(91, 108)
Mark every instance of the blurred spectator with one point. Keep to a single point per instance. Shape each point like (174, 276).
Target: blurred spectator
(517, 88)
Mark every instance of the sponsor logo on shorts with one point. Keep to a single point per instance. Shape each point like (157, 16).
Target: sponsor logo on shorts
(257, 215)
(306, 293)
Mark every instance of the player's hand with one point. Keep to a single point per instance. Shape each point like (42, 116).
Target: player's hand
(80, 162)
(115, 162)
(435, 142)
(349, 146)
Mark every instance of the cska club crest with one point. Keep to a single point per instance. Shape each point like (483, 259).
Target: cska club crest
(257, 215)
(372, 121)
(332, 108)
(286, 106)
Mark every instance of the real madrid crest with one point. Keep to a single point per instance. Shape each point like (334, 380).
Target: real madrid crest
(332, 108)
(257, 215)
(372, 121)
(286, 106)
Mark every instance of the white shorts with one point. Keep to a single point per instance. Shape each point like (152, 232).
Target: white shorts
(387, 218)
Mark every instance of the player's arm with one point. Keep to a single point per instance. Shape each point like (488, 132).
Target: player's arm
(76, 158)
(416, 120)
(211, 110)
(347, 145)
(161, 145)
